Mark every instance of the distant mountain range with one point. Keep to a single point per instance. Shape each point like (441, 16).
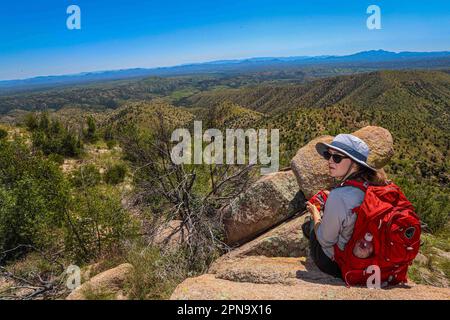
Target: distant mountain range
(366, 60)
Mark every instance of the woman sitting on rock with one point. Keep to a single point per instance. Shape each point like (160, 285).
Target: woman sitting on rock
(347, 159)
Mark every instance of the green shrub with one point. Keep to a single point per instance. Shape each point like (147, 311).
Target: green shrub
(108, 133)
(3, 133)
(86, 176)
(51, 137)
(111, 144)
(33, 198)
(116, 173)
(90, 133)
(156, 273)
(56, 158)
(432, 203)
(40, 210)
(31, 122)
(97, 223)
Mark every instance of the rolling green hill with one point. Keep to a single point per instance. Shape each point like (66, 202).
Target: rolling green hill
(384, 89)
(146, 115)
(226, 115)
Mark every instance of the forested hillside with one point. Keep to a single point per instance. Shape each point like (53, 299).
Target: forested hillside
(384, 89)
(87, 178)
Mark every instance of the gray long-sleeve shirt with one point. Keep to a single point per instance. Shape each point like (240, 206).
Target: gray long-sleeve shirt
(338, 219)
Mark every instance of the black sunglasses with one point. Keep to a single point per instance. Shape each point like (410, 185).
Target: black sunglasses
(337, 158)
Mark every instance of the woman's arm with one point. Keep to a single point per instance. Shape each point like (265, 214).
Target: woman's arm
(328, 229)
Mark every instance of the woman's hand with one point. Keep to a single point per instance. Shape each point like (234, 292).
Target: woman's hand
(315, 214)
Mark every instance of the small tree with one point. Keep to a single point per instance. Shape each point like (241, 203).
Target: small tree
(109, 137)
(90, 133)
(71, 145)
(44, 121)
(189, 193)
(52, 137)
(31, 121)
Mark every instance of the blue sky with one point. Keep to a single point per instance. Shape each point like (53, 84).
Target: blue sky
(34, 39)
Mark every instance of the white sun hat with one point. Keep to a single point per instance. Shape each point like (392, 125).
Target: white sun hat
(350, 145)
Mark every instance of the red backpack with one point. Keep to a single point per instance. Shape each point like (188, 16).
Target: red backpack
(390, 218)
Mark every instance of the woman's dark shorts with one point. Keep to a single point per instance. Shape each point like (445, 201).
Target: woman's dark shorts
(323, 262)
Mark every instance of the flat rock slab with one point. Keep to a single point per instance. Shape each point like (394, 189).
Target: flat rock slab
(277, 270)
(288, 278)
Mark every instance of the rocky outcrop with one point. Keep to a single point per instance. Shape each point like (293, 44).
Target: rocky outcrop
(171, 235)
(258, 277)
(270, 200)
(106, 285)
(311, 170)
(285, 240)
(380, 143)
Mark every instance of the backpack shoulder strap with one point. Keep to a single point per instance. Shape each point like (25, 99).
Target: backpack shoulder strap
(357, 184)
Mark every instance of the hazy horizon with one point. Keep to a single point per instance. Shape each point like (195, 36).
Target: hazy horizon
(196, 62)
